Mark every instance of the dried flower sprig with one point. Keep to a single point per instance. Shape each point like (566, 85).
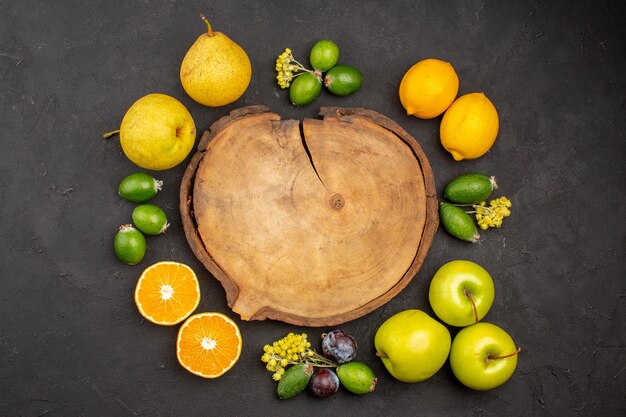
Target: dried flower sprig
(290, 350)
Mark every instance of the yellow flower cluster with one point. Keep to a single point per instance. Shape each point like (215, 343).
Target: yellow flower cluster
(491, 215)
(287, 68)
(290, 350)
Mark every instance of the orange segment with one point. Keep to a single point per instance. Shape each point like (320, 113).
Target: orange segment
(167, 293)
(208, 344)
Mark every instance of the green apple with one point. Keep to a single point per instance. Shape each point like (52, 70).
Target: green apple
(483, 356)
(412, 345)
(461, 293)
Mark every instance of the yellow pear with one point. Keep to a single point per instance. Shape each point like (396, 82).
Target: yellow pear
(215, 71)
(157, 132)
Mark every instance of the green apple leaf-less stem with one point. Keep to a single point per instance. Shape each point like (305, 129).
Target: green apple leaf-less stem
(471, 298)
(496, 357)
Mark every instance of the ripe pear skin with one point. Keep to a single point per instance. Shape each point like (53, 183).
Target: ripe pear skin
(157, 132)
(215, 71)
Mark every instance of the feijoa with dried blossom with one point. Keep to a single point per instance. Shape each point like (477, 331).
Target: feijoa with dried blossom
(468, 194)
(292, 349)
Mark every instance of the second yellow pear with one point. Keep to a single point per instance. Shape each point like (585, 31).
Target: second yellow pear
(215, 71)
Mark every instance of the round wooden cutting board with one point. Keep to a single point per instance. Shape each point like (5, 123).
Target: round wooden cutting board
(314, 223)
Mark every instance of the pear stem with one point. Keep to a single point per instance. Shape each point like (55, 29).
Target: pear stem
(492, 357)
(109, 134)
(210, 31)
(469, 296)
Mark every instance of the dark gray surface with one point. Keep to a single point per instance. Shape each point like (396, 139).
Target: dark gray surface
(71, 340)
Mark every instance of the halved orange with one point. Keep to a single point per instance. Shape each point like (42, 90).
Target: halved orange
(208, 344)
(167, 293)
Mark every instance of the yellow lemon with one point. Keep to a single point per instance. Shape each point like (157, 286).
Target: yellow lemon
(428, 88)
(469, 127)
(157, 132)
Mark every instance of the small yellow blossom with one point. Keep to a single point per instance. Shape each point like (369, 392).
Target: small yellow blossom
(288, 68)
(492, 215)
(290, 350)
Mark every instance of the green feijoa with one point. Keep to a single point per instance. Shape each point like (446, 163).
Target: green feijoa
(304, 89)
(357, 377)
(129, 244)
(458, 223)
(150, 219)
(324, 55)
(294, 380)
(470, 188)
(342, 80)
(139, 187)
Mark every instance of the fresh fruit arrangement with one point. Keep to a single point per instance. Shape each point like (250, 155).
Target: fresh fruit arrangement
(296, 366)
(167, 292)
(149, 219)
(305, 84)
(470, 123)
(208, 344)
(413, 346)
(472, 190)
(158, 132)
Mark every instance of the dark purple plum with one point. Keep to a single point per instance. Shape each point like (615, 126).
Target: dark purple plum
(324, 383)
(339, 346)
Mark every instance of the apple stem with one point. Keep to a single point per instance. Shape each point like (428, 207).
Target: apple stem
(109, 134)
(469, 296)
(210, 31)
(492, 357)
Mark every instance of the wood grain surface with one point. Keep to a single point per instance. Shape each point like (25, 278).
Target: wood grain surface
(313, 223)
